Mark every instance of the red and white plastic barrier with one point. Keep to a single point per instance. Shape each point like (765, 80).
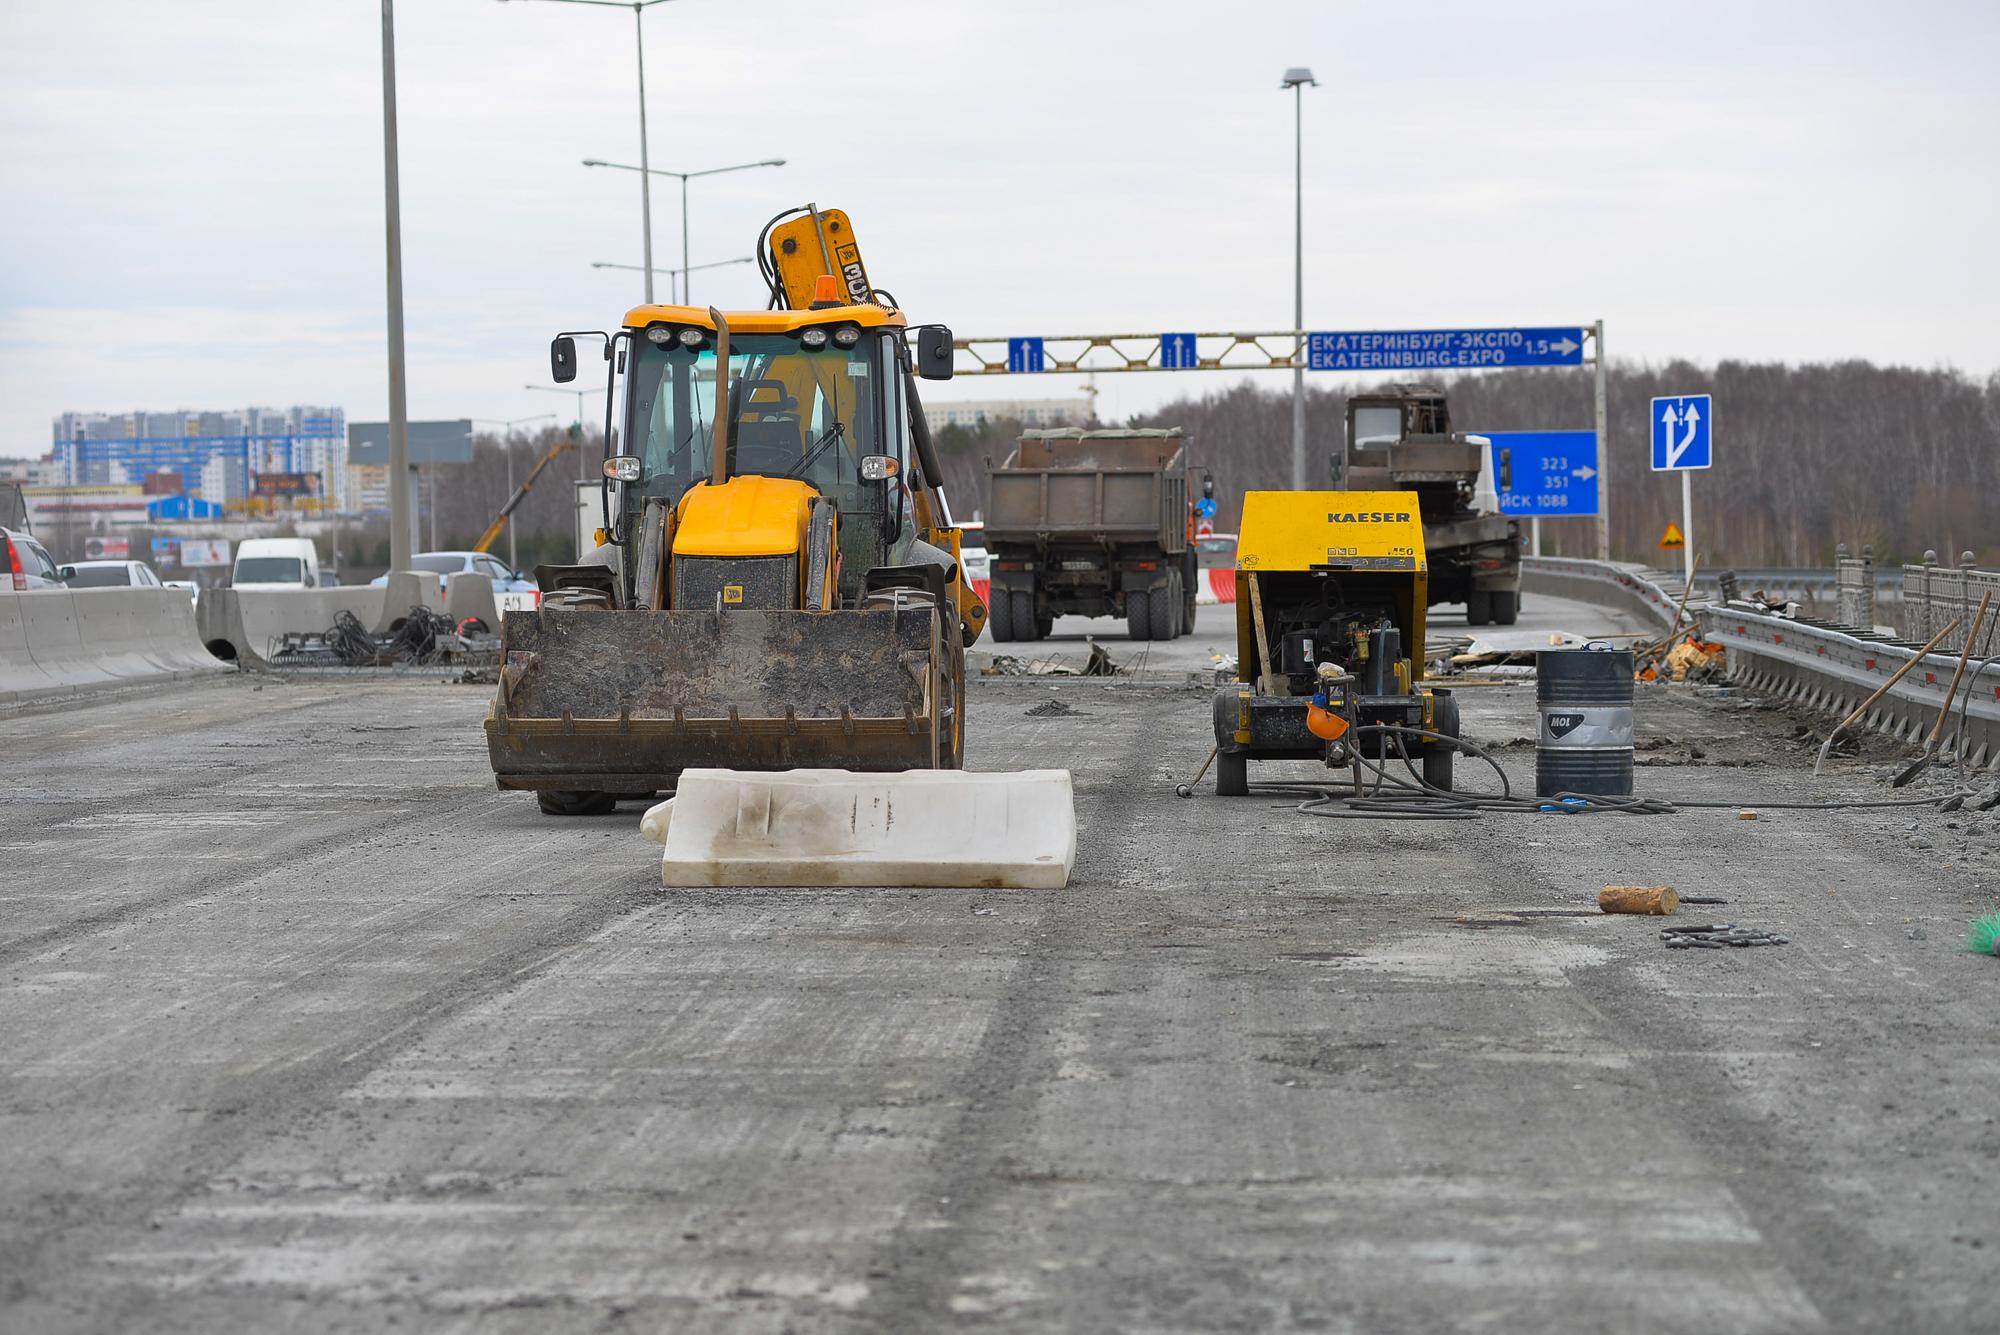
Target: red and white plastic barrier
(1217, 586)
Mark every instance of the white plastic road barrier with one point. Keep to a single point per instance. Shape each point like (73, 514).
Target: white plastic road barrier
(823, 827)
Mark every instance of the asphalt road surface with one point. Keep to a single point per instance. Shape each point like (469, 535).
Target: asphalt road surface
(303, 1026)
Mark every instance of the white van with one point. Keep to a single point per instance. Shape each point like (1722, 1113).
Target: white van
(276, 563)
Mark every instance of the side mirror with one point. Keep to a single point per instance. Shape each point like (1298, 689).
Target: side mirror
(562, 359)
(934, 355)
(879, 468)
(627, 467)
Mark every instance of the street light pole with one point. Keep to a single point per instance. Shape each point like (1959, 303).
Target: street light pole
(645, 170)
(638, 8)
(1296, 79)
(401, 538)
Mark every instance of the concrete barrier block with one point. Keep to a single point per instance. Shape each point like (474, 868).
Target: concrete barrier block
(19, 672)
(824, 827)
(471, 595)
(56, 639)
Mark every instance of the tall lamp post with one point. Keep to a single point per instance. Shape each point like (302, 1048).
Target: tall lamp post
(402, 523)
(638, 8)
(647, 171)
(681, 273)
(507, 448)
(1296, 79)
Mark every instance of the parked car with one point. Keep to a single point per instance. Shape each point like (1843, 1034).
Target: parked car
(276, 563)
(445, 564)
(110, 575)
(25, 563)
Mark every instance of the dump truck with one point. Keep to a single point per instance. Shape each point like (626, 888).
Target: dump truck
(1331, 593)
(1402, 440)
(775, 584)
(1091, 523)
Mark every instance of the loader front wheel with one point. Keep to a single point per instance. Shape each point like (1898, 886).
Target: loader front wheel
(557, 802)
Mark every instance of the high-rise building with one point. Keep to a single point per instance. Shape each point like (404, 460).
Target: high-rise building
(216, 454)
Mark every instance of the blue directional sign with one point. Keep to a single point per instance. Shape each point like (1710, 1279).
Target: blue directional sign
(1024, 354)
(1683, 433)
(1444, 349)
(1177, 352)
(1547, 473)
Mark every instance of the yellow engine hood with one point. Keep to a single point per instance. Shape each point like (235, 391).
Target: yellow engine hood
(749, 515)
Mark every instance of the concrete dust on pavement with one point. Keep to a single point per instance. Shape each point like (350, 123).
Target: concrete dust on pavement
(309, 1028)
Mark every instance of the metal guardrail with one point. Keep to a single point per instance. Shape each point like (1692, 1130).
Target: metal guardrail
(1934, 596)
(1646, 594)
(1817, 664)
(1828, 668)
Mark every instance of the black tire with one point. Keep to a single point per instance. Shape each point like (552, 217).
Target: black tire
(1438, 755)
(1506, 606)
(1138, 614)
(1166, 600)
(1000, 616)
(1478, 607)
(1190, 585)
(554, 802)
(1045, 627)
(1026, 627)
(1232, 774)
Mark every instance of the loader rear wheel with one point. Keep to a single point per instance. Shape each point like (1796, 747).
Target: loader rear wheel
(1506, 606)
(1232, 774)
(1166, 601)
(556, 802)
(1478, 607)
(1000, 616)
(1139, 614)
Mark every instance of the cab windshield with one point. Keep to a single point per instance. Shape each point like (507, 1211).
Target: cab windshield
(794, 411)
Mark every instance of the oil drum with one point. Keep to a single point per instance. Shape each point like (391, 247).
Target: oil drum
(1583, 700)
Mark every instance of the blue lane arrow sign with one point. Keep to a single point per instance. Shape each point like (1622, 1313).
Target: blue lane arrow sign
(1024, 355)
(1177, 352)
(1547, 473)
(1683, 433)
(1444, 349)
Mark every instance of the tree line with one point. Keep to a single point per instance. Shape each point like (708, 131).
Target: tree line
(1806, 457)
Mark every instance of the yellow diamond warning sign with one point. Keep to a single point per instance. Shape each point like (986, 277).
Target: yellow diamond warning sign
(1671, 540)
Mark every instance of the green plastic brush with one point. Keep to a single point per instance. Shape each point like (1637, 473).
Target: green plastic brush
(1985, 938)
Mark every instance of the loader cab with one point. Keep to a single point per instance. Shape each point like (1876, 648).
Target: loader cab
(813, 397)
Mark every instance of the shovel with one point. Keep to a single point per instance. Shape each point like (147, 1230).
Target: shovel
(1929, 757)
(1883, 690)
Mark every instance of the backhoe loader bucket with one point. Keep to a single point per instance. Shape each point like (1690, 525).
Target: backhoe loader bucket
(831, 827)
(623, 701)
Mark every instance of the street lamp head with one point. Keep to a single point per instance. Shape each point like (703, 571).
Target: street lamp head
(593, 162)
(772, 162)
(1297, 75)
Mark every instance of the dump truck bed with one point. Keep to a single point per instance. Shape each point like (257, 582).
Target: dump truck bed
(1125, 485)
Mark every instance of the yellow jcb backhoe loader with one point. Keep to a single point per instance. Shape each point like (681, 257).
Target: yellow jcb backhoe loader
(777, 584)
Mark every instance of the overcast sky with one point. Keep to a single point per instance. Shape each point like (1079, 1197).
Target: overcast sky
(193, 205)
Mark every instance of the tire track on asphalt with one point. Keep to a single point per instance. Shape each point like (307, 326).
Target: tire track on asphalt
(86, 1226)
(1001, 1085)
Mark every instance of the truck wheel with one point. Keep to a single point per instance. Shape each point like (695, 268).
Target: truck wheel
(1000, 616)
(1166, 600)
(1478, 607)
(1138, 614)
(1506, 606)
(1232, 774)
(556, 802)
(1045, 627)
(1025, 625)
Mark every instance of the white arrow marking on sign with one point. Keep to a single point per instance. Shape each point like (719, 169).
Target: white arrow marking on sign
(1668, 419)
(1693, 420)
(1567, 346)
(1586, 472)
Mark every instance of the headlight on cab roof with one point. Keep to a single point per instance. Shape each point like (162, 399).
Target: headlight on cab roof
(847, 335)
(692, 337)
(659, 333)
(814, 338)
